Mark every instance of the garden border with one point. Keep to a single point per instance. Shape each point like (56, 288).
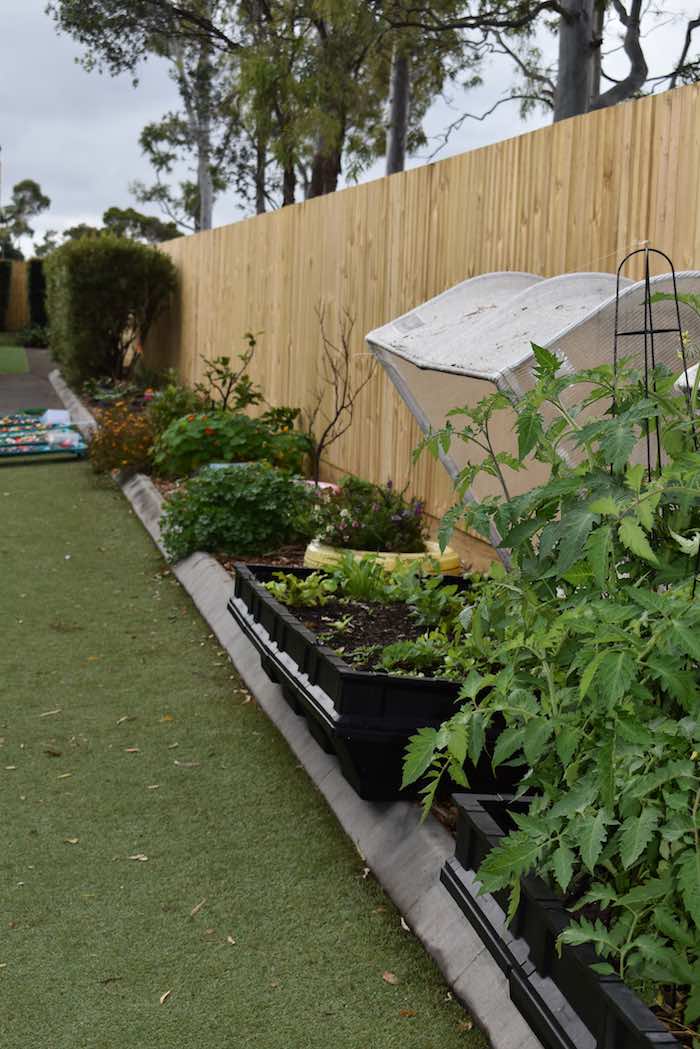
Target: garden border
(405, 855)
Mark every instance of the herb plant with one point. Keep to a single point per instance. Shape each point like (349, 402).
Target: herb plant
(584, 661)
(246, 509)
(365, 516)
(123, 440)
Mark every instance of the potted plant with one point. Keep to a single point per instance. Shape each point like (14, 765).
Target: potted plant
(366, 518)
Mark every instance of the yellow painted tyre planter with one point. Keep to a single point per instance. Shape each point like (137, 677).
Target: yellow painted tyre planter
(318, 555)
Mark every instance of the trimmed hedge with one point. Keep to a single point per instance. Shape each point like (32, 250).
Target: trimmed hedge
(5, 281)
(102, 295)
(36, 293)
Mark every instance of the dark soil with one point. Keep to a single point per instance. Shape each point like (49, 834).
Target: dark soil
(371, 627)
(290, 556)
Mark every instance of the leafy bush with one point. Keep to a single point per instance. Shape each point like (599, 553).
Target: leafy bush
(195, 440)
(245, 509)
(172, 402)
(226, 388)
(365, 516)
(586, 655)
(103, 294)
(123, 440)
(35, 337)
(36, 294)
(5, 281)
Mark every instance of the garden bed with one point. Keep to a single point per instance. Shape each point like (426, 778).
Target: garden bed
(365, 718)
(613, 1016)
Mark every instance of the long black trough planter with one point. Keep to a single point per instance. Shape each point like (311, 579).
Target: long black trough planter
(365, 718)
(567, 1004)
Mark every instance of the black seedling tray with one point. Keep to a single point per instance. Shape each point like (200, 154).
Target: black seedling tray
(613, 1016)
(365, 718)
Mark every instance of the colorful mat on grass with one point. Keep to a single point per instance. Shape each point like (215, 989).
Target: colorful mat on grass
(22, 434)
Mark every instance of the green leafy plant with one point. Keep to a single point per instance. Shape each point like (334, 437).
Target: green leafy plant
(226, 388)
(197, 439)
(34, 337)
(366, 516)
(246, 509)
(172, 402)
(297, 592)
(103, 295)
(583, 659)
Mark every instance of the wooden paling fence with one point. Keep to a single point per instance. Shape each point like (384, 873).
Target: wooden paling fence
(575, 196)
(17, 315)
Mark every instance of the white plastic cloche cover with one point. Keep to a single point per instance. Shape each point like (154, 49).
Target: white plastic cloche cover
(476, 337)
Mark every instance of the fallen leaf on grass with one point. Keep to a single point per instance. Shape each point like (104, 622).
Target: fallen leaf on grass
(172, 746)
(138, 856)
(153, 786)
(365, 873)
(65, 775)
(187, 764)
(131, 750)
(391, 978)
(195, 910)
(465, 1025)
(52, 753)
(125, 717)
(10, 768)
(164, 997)
(71, 841)
(230, 939)
(406, 928)
(167, 717)
(50, 713)
(407, 1012)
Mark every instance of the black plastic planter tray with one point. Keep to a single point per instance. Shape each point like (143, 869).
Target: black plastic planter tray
(541, 979)
(366, 719)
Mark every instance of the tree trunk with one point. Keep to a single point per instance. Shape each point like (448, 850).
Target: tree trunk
(325, 169)
(399, 100)
(204, 180)
(575, 72)
(289, 183)
(260, 170)
(597, 42)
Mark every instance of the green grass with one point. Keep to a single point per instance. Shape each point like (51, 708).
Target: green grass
(13, 360)
(101, 652)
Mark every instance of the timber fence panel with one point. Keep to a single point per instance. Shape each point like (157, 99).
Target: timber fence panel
(574, 196)
(17, 315)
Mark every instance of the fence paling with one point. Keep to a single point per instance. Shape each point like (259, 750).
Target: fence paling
(573, 196)
(17, 315)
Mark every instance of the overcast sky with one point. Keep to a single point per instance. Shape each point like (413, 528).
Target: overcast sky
(76, 133)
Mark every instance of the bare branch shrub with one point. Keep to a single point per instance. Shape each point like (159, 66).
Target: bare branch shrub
(327, 422)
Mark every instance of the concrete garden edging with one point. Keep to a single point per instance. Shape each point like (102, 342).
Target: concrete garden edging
(405, 855)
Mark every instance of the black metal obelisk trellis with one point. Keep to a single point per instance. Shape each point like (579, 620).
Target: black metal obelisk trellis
(649, 332)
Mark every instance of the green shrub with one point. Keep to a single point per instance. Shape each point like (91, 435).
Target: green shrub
(35, 337)
(103, 294)
(36, 293)
(244, 509)
(365, 516)
(5, 280)
(195, 440)
(172, 402)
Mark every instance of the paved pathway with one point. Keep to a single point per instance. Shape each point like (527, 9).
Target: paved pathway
(31, 390)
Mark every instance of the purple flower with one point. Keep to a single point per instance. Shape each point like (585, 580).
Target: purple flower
(375, 508)
(389, 484)
(355, 524)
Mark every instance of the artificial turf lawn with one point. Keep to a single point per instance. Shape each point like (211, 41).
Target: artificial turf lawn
(13, 360)
(125, 733)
